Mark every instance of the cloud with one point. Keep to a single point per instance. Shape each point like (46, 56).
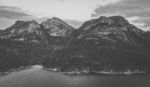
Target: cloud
(125, 7)
(12, 12)
(8, 15)
(129, 9)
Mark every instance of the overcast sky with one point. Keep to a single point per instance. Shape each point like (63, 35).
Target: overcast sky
(74, 11)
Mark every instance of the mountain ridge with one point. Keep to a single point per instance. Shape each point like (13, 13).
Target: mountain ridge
(33, 31)
(103, 44)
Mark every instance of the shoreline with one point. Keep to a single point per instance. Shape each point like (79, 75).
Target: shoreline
(97, 72)
(77, 73)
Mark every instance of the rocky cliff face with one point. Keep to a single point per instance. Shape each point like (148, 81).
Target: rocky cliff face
(57, 27)
(110, 28)
(27, 31)
(31, 31)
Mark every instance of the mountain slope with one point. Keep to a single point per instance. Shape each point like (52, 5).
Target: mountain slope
(105, 44)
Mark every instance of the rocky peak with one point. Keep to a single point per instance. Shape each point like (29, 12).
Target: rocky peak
(55, 19)
(19, 24)
(104, 19)
(108, 27)
(119, 20)
(57, 27)
(113, 21)
(49, 23)
(24, 26)
(22, 30)
(103, 22)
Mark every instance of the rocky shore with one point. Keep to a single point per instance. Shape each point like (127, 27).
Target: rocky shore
(85, 72)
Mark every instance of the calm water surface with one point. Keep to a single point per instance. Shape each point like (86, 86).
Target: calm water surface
(37, 77)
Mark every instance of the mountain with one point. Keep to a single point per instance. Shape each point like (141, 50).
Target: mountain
(32, 32)
(105, 44)
(29, 43)
(115, 30)
(109, 44)
(26, 31)
(57, 27)
(110, 28)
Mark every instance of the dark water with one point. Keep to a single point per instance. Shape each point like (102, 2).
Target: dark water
(37, 77)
